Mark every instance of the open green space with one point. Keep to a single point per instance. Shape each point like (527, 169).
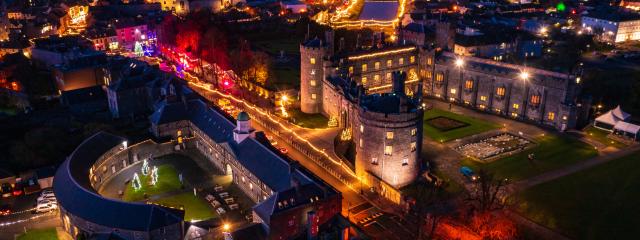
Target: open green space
(195, 208)
(167, 181)
(474, 126)
(39, 234)
(597, 203)
(551, 152)
(307, 120)
(601, 136)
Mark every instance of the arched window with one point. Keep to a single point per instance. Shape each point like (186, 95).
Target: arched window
(468, 85)
(535, 99)
(501, 91)
(439, 77)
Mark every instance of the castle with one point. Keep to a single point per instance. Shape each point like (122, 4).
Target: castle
(376, 93)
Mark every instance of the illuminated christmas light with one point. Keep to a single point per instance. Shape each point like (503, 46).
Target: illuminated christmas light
(145, 168)
(135, 183)
(154, 175)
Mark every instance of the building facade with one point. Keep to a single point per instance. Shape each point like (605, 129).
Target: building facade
(613, 27)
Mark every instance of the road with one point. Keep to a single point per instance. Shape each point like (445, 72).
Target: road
(22, 217)
(314, 150)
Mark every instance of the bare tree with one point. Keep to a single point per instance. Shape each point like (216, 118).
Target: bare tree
(485, 194)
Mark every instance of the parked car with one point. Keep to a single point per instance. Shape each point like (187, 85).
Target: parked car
(6, 190)
(5, 210)
(283, 150)
(46, 197)
(18, 189)
(46, 208)
(467, 172)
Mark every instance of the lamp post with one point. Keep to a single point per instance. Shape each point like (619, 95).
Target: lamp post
(459, 64)
(524, 75)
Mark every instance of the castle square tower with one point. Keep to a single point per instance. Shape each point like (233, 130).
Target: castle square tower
(312, 53)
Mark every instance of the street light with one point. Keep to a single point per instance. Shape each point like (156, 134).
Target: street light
(459, 62)
(226, 227)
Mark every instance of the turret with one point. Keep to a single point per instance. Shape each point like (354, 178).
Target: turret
(243, 128)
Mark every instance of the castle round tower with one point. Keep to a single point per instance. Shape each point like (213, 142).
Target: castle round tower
(312, 53)
(388, 136)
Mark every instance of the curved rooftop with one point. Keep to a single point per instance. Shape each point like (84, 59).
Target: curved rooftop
(243, 116)
(76, 196)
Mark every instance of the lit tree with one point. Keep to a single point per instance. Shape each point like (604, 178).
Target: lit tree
(154, 175)
(145, 167)
(135, 183)
(138, 49)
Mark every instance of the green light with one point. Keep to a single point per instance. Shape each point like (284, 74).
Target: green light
(561, 7)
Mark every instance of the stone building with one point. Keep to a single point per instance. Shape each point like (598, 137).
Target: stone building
(514, 91)
(284, 192)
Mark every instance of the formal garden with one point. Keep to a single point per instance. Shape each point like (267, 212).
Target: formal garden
(493, 146)
(597, 203)
(550, 152)
(443, 126)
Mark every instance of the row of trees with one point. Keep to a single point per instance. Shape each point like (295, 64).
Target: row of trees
(203, 35)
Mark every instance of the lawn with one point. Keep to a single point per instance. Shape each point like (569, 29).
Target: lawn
(308, 120)
(597, 203)
(39, 234)
(470, 126)
(167, 181)
(551, 152)
(601, 136)
(196, 208)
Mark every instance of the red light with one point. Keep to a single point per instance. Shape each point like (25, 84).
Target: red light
(573, 11)
(226, 83)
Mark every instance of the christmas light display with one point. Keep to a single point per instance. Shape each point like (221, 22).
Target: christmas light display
(154, 175)
(145, 167)
(135, 183)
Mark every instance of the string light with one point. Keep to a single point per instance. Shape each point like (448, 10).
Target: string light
(4, 224)
(382, 53)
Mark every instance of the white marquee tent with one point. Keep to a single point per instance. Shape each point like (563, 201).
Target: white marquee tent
(609, 120)
(627, 129)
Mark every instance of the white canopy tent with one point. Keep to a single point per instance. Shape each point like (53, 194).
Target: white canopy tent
(627, 129)
(609, 120)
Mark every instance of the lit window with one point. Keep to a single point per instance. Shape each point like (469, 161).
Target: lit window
(428, 74)
(413, 146)
(361, 142)
(483, 98)
(516, 106)
(405, 161)
(389, 135)
(243, 180)
(429, 61)
(535, 99)
(364, 67)
(313, 72)
(312, 83)
(388, 76)
(551, 116)
(179, 133)
(501, 91)
(351, 70)
(361, 128)
(376, 78)
(377, 65)
(312, 60)
(364, 80)
(374, 161)
(439, 77)
(453, 91)
(313, 96)
(251, 186)
(414, 132)
(412, 59)
(468, 84)
(389, 63)
(388, 150)
(401, 61)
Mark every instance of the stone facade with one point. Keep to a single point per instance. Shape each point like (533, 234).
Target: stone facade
(542, 97)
